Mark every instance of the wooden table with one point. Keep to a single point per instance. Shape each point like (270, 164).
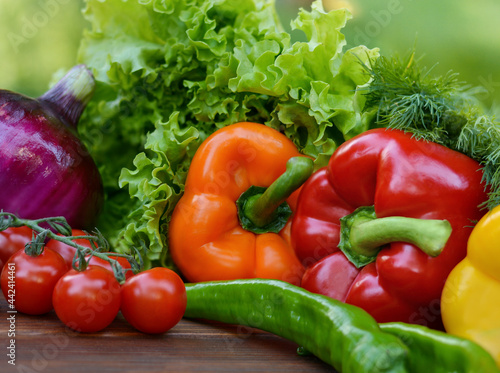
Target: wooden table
(44, 344)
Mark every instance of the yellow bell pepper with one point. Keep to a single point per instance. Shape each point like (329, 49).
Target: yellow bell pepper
(470, 300)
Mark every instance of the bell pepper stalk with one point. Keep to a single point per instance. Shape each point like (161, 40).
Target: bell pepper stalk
(233, 219)
(363, 235)
(409, 184)
(471, 294)
(262, 210)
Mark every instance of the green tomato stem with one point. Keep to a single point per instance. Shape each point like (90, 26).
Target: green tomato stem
(59, 223)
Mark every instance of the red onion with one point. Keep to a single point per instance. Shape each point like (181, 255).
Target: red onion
(45, 170)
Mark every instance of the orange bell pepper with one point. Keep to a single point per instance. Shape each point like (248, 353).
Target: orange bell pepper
(208, 237)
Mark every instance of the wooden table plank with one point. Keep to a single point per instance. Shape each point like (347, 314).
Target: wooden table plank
(44, 344)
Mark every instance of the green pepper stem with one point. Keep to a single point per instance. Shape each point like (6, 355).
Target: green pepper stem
(429, 235)
(363, 234)
(260, 209)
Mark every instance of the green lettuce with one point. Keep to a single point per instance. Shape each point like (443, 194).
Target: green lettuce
(170, 73)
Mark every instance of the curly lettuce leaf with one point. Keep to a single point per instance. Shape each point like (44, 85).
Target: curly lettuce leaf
(170, 73)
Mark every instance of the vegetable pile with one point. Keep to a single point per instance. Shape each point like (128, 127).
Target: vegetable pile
(329, 196)
(169, 74)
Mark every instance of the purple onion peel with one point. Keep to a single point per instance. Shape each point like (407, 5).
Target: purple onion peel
(45, 170)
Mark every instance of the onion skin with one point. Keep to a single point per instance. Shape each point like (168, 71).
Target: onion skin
(45, 170)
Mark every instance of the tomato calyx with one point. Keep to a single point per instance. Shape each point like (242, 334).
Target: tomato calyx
(36, 245)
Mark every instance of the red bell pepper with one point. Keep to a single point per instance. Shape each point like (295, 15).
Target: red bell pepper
(373, 226)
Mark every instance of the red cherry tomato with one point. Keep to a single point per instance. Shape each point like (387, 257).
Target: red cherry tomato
(13, 240)
(154, 301)
(30, 280)
(87, 301)
(66, 251)
(105, 264)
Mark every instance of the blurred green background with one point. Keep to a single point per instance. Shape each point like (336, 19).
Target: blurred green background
(41, 37)
(38, 37)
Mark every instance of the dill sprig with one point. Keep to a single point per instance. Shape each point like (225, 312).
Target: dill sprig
(441, 109)
(480, 140)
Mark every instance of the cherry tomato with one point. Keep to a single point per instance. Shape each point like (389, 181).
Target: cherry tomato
(105, 264)
(87, 301)
(154, 301)
(30, 280)
(12, 240)
(66, 251)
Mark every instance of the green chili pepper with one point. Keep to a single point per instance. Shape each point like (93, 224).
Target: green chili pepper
(435, 351)
(342, 335)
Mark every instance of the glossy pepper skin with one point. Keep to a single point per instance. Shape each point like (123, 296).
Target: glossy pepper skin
(471, 294)
(399, 176)
(206, 239)
(341, 335)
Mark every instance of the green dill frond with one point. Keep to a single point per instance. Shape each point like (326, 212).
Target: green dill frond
(409, 98)
(480, 140)
(440, 109)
